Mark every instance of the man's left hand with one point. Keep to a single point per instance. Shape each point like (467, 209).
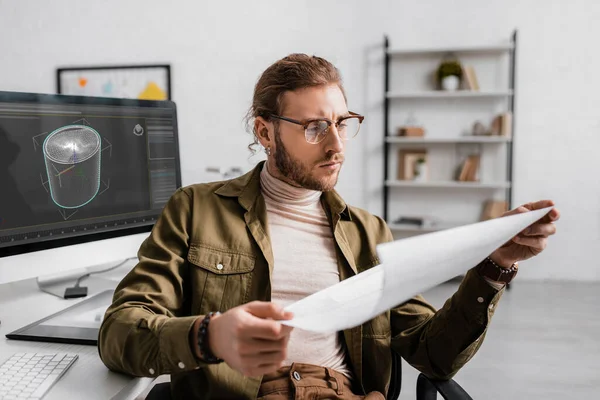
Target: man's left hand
(532, 240)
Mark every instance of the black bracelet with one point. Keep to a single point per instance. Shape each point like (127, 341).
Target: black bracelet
(207, 355)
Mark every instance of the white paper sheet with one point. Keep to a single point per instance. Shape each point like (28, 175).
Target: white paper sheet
(409, 267)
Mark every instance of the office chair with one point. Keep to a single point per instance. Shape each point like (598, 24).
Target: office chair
(427, 389)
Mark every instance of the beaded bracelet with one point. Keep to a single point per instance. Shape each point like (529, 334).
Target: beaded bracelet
(502, 269)
(492, 271)
(207, 355)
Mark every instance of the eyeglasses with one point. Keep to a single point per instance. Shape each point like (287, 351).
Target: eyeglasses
(316, 129)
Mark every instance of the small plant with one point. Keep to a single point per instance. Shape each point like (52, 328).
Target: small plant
(420, 171)
(449, 67)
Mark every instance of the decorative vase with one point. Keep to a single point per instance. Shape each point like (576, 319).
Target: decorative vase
(479, 129)
(420, 172)
(450, 82)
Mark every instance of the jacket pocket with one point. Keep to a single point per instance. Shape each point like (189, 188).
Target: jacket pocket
(221, 278)
(378, 327)
(377, 363)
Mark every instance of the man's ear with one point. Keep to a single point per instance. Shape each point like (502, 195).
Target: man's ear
(264, 131)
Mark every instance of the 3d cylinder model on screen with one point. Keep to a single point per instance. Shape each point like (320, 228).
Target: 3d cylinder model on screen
(72, 155)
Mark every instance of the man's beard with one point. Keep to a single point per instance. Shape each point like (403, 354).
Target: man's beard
(300, 173)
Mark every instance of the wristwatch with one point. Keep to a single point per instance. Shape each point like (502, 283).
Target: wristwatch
(489, 269)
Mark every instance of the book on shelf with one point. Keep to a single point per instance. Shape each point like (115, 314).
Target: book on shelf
(425, 222)
(470, 81)
(411, 131)
(502, 125)
(470, 167)
(408, 161)
(493, 209)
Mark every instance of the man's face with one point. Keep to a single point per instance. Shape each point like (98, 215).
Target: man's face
(312, 166)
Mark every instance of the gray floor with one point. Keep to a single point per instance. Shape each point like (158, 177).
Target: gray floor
(543, 343)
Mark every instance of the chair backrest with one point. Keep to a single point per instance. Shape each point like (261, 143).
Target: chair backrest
(160, 391)
(396, 378)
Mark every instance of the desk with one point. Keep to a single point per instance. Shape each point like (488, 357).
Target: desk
(22, 303)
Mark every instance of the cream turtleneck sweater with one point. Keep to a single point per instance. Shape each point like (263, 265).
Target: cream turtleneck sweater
(305, 262)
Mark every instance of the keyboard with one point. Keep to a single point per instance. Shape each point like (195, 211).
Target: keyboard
(31, 375)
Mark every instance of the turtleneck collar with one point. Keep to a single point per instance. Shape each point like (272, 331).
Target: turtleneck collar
(283, 192)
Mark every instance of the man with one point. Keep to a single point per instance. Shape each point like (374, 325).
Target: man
(225, 259)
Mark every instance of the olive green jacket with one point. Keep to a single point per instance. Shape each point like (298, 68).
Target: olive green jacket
(145, 331)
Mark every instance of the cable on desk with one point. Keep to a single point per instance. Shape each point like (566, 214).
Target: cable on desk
(102, 270)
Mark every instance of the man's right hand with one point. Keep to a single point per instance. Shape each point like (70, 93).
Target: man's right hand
(249, 339)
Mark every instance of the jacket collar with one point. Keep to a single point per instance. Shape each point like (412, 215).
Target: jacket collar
(247, 188)
(336, 204)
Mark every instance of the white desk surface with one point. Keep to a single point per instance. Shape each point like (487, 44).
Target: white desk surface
(22, 303)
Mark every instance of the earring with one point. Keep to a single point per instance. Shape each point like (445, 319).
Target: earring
(268, 150)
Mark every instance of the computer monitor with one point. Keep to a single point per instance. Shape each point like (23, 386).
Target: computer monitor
(82, 179)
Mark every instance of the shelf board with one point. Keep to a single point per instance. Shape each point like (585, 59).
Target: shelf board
(460, 139)
(440, 94)
(410, 228)
(501, 48)
(448, 184)
(418, 229)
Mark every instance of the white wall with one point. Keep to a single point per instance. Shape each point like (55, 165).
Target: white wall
(217, 51)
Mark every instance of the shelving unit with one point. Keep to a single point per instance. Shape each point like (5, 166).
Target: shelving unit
(448, 184)
(397, 100)
(438, 94)
(463, 50)
(466, 139)
(416, 229)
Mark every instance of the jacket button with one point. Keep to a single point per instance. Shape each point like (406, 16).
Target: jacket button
(151, 370)
(296, 375)
(480, 299)
(181, 365)
(219, 266)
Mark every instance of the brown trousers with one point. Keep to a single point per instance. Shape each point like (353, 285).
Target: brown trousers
(305, 381)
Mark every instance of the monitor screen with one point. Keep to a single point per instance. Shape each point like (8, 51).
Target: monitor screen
(76, 169)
